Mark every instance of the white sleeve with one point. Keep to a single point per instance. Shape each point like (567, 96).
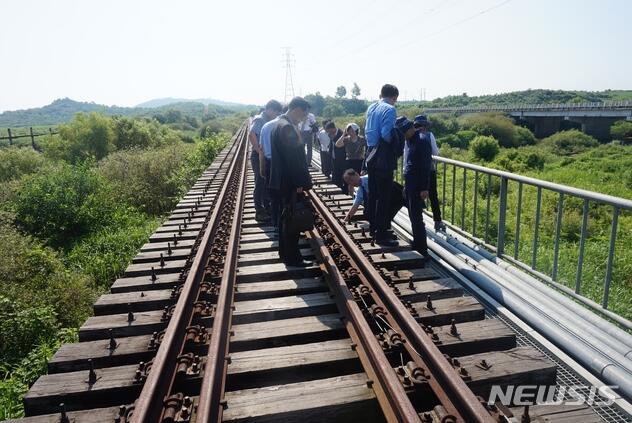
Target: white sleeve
(433, 144)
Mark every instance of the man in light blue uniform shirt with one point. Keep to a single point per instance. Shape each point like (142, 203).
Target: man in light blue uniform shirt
(266, 162)
(381, 161)
(351, 177)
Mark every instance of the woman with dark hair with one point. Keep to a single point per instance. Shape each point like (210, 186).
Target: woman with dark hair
(339, 156)
(354, 145)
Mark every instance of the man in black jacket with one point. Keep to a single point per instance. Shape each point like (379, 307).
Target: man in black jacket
(290, 176)
(417, 166)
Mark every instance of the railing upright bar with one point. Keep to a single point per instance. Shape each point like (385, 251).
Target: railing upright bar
(475, 203)
(558, 226)
(443, 194)
(538, 204)
(518, 212)
(613, 238)
(502, 217)
(453, 206)
(463, 199)
(582, 243)
(489, 194)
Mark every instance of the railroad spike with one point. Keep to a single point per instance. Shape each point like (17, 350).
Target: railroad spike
(92, 375)
(175, 240)
(525, 418)
(411, 284)
(112, 344)
(180, 230)
(169, 250)
(130, 315)
(63, 416)
(162, 260)
(453, 329)
(153, 274)
(429, 305)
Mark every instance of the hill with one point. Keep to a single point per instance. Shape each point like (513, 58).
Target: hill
(63, 110)
(538, 96)
(159, 102)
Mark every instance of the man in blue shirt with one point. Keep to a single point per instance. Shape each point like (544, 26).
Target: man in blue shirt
(353, 178)
(417, 165)
(265, 165)
(381, 160)
(271, 111)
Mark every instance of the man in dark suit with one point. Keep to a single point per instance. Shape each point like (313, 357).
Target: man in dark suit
(417, 166)
(290, 176)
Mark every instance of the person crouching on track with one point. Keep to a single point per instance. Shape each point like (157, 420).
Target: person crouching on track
(353, 179)
(290, 176)
(417, 164)
(422, 124)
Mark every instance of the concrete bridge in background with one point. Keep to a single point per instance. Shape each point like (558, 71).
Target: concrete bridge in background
(545, 119)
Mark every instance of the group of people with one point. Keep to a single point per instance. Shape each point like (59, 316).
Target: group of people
(282, 140)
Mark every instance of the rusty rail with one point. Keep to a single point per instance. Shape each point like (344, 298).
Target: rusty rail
(454, 395)
(149, 405)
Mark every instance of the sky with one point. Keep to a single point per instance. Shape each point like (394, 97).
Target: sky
(122, 53)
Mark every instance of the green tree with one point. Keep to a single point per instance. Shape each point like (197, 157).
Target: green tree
(621, 130)
(333, 110)
(87, 136)
(317, 103)
(569, 142)
(495, 125)
(341, 91)
(355, 91)
(485, 147)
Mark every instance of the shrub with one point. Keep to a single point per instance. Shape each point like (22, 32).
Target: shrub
(570, 142)
(442, 125)
(141, 133)
(497, 126)
(466, 136)
(63, 203)
(87, 136)
(146, 178)
(485, 147)
(524, 136)
(105, 255)
(452, 141)
(15, 162)
(621, 130)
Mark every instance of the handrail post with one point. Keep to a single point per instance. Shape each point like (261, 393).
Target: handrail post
(502, 217)
(10, 138)
(613, 238)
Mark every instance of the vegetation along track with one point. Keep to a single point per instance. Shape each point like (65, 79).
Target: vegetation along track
(208, 325)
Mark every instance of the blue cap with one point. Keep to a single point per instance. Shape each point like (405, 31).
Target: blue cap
(421, 120)
(403, 124)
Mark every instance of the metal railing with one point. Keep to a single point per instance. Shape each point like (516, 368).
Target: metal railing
(606, 105)
(498, 183)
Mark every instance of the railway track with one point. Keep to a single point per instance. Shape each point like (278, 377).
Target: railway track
(208, 325)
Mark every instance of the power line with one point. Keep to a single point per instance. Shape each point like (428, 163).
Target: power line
(288, 59)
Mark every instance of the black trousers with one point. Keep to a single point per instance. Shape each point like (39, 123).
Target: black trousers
(260, 194)
(273, 195)
(336, 175)
(289, 251)
(433, 196)
(379, 204)
(326, 163)
(415, 213)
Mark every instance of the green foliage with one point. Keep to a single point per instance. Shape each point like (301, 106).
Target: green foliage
(64, 202)
(145, 178)
(88, 136)
(453, 141)
(355, 91)
(333, 110)
(341, 91)
(104, 255)
(621, 130)
(498, 126)
(16, 162)
(569, 142)
(485, 147)
(17, 379)
(442, 125)
(524, 136)
(141, 133)
(466, 136)
(520, 161)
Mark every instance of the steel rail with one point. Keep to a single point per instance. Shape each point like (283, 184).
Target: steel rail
(446, 383)
(210, 409)
(149, 405)
(389, 391)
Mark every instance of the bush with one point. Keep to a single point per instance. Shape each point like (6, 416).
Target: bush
(570, 142)
(146, 179)
(87, 136)
(452, 141)
(15, 162)
(466, 136)
(524, 136)
(497, 126)
(485, 147)
(621, 130)
(105, 255)
(442, 125)
(132, 133)
(64, 203)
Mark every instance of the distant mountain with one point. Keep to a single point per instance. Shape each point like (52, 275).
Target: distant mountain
(63, 110)
(159, 102)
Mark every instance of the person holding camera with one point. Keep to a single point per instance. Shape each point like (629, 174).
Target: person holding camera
(307, 135)
(355, 146)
